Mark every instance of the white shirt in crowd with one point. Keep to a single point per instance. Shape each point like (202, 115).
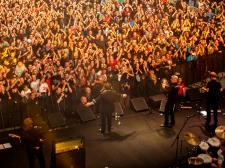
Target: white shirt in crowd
(43, 87)
(35, 85)
(26, 93)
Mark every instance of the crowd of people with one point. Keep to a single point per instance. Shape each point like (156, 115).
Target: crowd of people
(61, 52)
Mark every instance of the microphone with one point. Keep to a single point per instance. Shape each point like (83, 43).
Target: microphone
(191, 116)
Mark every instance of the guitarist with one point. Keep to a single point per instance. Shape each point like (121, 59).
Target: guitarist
(213, 88)
(33, 143)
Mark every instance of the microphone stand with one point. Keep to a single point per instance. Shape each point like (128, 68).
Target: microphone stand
(177, 138)
(201, 98)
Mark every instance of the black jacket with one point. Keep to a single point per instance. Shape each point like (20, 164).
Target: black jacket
(107, 99)
(172, 92)
(30, 139)
(214, 88)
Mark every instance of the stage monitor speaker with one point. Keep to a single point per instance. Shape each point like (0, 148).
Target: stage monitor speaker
(139, 104)
(156, 100)
(118, 109)
(56, 120)
(162, 105)
(39, 123)
(86, 114)
(74, 158)
(37, 120)
(193, 94)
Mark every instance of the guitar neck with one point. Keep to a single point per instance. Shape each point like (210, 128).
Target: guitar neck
(15, 136)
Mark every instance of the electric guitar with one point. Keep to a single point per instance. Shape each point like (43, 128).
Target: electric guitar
(15, 136)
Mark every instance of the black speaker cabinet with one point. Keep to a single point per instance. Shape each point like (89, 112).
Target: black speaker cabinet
(68, 152)
(156, 100)
(118, 109)
(86, 114)
(163, 105)
(38, 121)
(74, 158)
(193, 94)
(139, 104)
(56, 120)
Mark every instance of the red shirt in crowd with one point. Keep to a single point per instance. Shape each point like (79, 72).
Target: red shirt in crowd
(112, 64)
(180, 91)
(48, 81)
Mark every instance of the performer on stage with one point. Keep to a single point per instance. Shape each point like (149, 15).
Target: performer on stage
(106, 99)
(172, 93)
(213, 88)
(33, 143)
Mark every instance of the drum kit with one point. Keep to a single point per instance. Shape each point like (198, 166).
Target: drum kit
(203, 151)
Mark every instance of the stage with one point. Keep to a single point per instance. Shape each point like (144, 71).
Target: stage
(138, 141)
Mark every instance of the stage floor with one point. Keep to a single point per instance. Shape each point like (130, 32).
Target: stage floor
(138, 141)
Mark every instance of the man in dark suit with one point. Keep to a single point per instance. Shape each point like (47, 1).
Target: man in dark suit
(172, 93)
(106, 100)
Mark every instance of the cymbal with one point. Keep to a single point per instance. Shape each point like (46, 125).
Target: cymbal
(191, 139)
(220, 132)
(195, 161)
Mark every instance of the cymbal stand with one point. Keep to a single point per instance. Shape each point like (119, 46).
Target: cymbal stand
(201, 98)
(177, 139)
(181, 147)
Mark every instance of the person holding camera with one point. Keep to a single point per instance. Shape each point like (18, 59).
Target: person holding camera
(66, 85)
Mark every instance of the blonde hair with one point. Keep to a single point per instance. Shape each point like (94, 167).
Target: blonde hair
(175, 77)
(27, 124)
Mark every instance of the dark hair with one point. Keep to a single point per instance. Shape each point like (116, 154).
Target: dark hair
(107, 86)
(25, 85)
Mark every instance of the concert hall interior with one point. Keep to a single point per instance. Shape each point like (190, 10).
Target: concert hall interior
(112, 83)
(137, 141)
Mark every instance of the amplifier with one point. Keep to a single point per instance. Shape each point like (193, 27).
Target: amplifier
(62, 145)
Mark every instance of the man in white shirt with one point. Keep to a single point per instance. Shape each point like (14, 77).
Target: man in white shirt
(43, 88)
(35, 83)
